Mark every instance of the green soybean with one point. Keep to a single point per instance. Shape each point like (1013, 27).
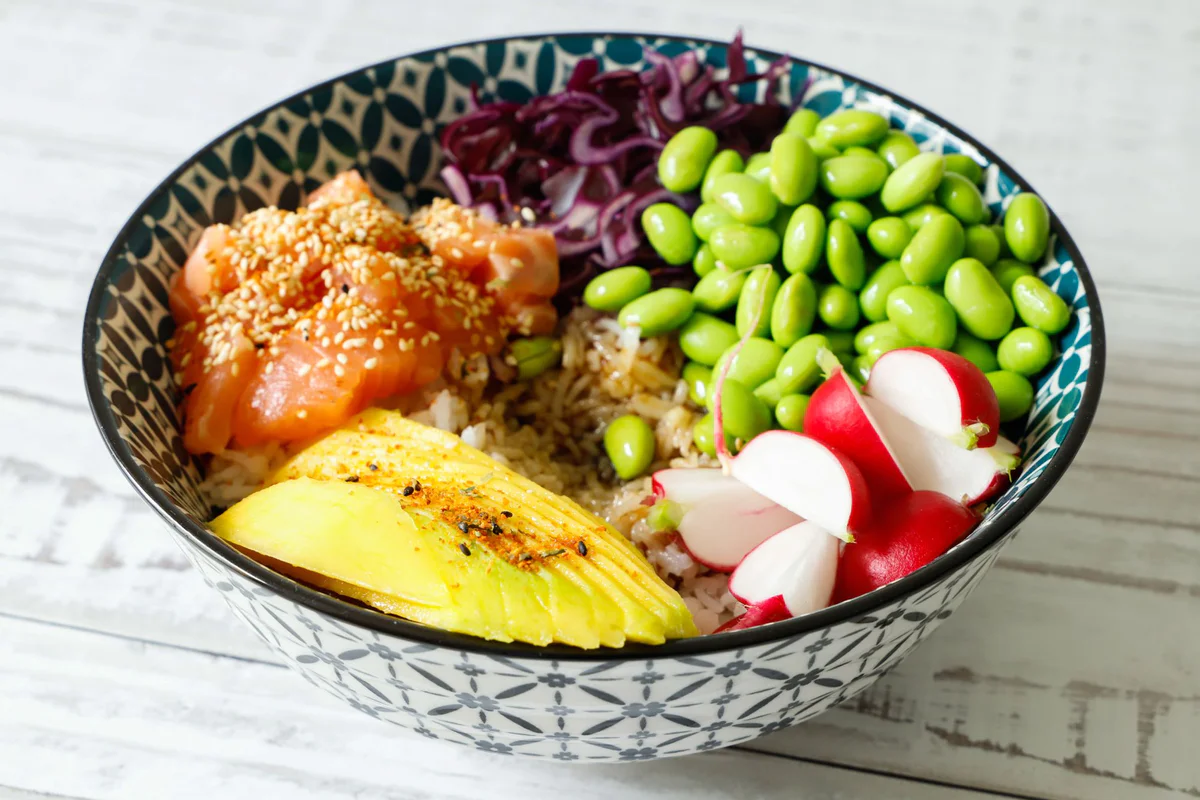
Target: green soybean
(961, 198)
(852, 176)
(998, 229)
(629, 442)
(794, 310)
(754, 364)
(804, 239)
(838, 307)
(1027, 227)
(756, 300)
(768, 392)
(803, 121)
(746, 199)
(1025, 351)
(739, 246)
(707, 218)
(703, 338)
(937, 245)
(535, 355)
(977, 351)
(854, 213)
(790, 410)
(844, 254)
(840, 342)
(1013, 391)
(683, 160)
(864, 152)
(723, 162)
(1007, 270)
(659, 312)
(860, 368)
(697, 377)
(611, 290)
(793, 168)
(897, 148)
(983, 307)
(705, 437)
(917, 217)
(670, 233)
(912, 182)
(822, 149)
(758, 166)
(923, 315)
(798, 370)
(981, 243)
(873, 297)
(877, 333)
(704, 262)
(889, 236)
(718, 290)
(852, 126)
(964, 165)
(743, 415)
(1039, 306)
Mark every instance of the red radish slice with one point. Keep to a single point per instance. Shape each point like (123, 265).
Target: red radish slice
(934, 463)
(722, 518)
(837, 416)
(798, 564)
(770, 610)
(940, 390)
(908, 534)
(808, 478)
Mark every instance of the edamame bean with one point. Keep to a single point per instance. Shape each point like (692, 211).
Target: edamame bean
(629, 442)
(704, 262)
(822, 149)
(1025, 351)
(923, 315)
(897, 148)
(983, 308)
(1027, 227)
(723, 162)
(889, 236)
(758, 166)
(745, 198)
(1039, 306)
(998, 229)
(1013, 391)
(873, 298)
(937, 245)
(793, 168)
(920, 215)
(790, 410)
(838, 307)
(879, 332)
(659, 312)
(611, 290)
(703, 338)
(981, 243)
(794, 309)
(977, 351)
(912, 182)
(852, 176)
(860, 368)
(1007, 270)
(670, 233)
(705, 438)
(718, 290)
(854, 213)
(756, 300)
(754, 364)
(683, 160)
(845, 256)
(959, 196)
(707, 218)
(964, 165)
(852, 126)
(535, 355)
(798, 370)
(803, 121)
(804, 239)
(739, 246)
(840, 342)
(698, 378)
(768, 392)
(864, 152)
(743, 415)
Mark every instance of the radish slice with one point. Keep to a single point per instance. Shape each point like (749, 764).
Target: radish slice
(810, 479)
(798, 564)
(837, 416)
(770, 610)
(942, 391)
(933, 463)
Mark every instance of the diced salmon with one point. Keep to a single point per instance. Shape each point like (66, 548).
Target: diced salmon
(209, 268)
(341, 190)
(213, 395)
(521, 262)
(185, 306)
(533, 318)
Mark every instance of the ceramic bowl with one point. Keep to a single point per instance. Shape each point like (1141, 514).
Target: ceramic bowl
(635, 703)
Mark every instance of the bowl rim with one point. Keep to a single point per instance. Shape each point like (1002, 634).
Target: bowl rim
(379, 623)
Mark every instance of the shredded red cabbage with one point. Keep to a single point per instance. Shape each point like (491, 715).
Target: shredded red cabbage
(583, 161)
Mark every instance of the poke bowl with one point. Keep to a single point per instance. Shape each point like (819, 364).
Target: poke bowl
(385, 360)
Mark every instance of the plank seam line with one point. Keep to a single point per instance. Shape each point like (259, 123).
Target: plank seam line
(47, 795)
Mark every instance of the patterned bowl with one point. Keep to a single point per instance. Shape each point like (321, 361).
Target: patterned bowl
(635, 703)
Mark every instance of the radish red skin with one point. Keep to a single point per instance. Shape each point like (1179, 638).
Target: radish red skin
(906, 534)
(772, 609)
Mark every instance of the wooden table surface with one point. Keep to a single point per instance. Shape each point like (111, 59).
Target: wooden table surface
(1073, 672)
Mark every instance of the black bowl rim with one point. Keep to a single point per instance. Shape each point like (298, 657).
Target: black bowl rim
(378, 622)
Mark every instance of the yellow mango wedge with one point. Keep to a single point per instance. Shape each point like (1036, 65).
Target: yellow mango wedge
(410, 520)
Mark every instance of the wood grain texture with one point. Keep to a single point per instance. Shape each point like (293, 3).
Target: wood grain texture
(1071, 673)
